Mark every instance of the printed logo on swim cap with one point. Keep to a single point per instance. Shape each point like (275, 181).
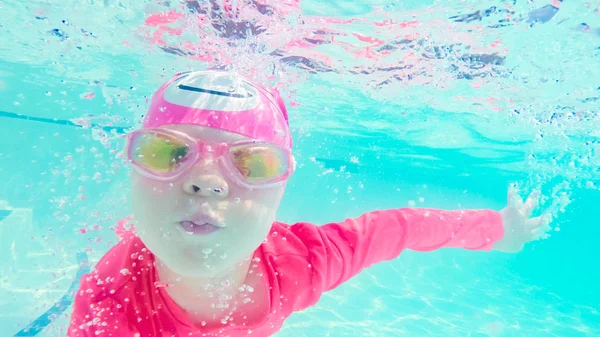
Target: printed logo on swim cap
(210, 90)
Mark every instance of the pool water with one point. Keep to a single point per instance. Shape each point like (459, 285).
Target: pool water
(416, 104)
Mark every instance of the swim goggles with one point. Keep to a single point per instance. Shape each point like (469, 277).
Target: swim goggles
(165, 154)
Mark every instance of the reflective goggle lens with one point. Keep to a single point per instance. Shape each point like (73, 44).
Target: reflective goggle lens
(158, 152)
(259, 163)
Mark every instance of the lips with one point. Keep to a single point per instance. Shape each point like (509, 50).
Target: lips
(200, 225)
(192, 227)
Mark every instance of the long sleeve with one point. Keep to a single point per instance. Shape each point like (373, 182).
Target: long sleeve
(342, 250)
(97, 308)
(96, 318)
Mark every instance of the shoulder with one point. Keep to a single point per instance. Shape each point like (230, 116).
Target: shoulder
(294, 256)
(114, 271)
(300, 239)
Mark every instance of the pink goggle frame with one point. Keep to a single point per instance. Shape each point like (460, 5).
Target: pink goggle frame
(164, 155)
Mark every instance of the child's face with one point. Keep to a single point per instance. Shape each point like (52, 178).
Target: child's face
(242, 217)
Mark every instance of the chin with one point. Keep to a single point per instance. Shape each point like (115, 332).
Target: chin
(200, 268)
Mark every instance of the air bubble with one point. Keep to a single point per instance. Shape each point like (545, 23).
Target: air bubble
(161, 284)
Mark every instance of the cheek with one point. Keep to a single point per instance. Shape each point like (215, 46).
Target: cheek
(147, 193)
(251, 221)
(270, 197)
(254, 210)
(145, 185)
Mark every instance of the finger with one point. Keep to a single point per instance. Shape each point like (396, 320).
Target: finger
(539, 233)
(531, 203)
(513, 197)
(539, 227)
(546, 218)
(536, 235)
(534, 223)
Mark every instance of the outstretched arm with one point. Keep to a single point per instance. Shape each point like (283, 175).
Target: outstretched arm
(348, 247)
(341, 250)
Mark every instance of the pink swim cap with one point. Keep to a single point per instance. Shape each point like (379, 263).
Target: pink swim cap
(224, 101)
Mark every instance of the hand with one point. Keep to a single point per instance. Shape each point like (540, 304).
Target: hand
(519, 228)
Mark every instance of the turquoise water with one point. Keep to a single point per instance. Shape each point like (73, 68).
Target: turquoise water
(450, 133)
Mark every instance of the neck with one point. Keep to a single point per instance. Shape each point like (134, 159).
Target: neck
(209, 297)
(235, 274)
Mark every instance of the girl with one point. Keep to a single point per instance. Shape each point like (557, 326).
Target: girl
(207, 258)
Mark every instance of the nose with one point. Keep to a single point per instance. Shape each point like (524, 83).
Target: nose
(206, 185)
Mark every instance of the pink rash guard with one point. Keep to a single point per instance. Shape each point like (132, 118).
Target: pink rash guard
(122, 296)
